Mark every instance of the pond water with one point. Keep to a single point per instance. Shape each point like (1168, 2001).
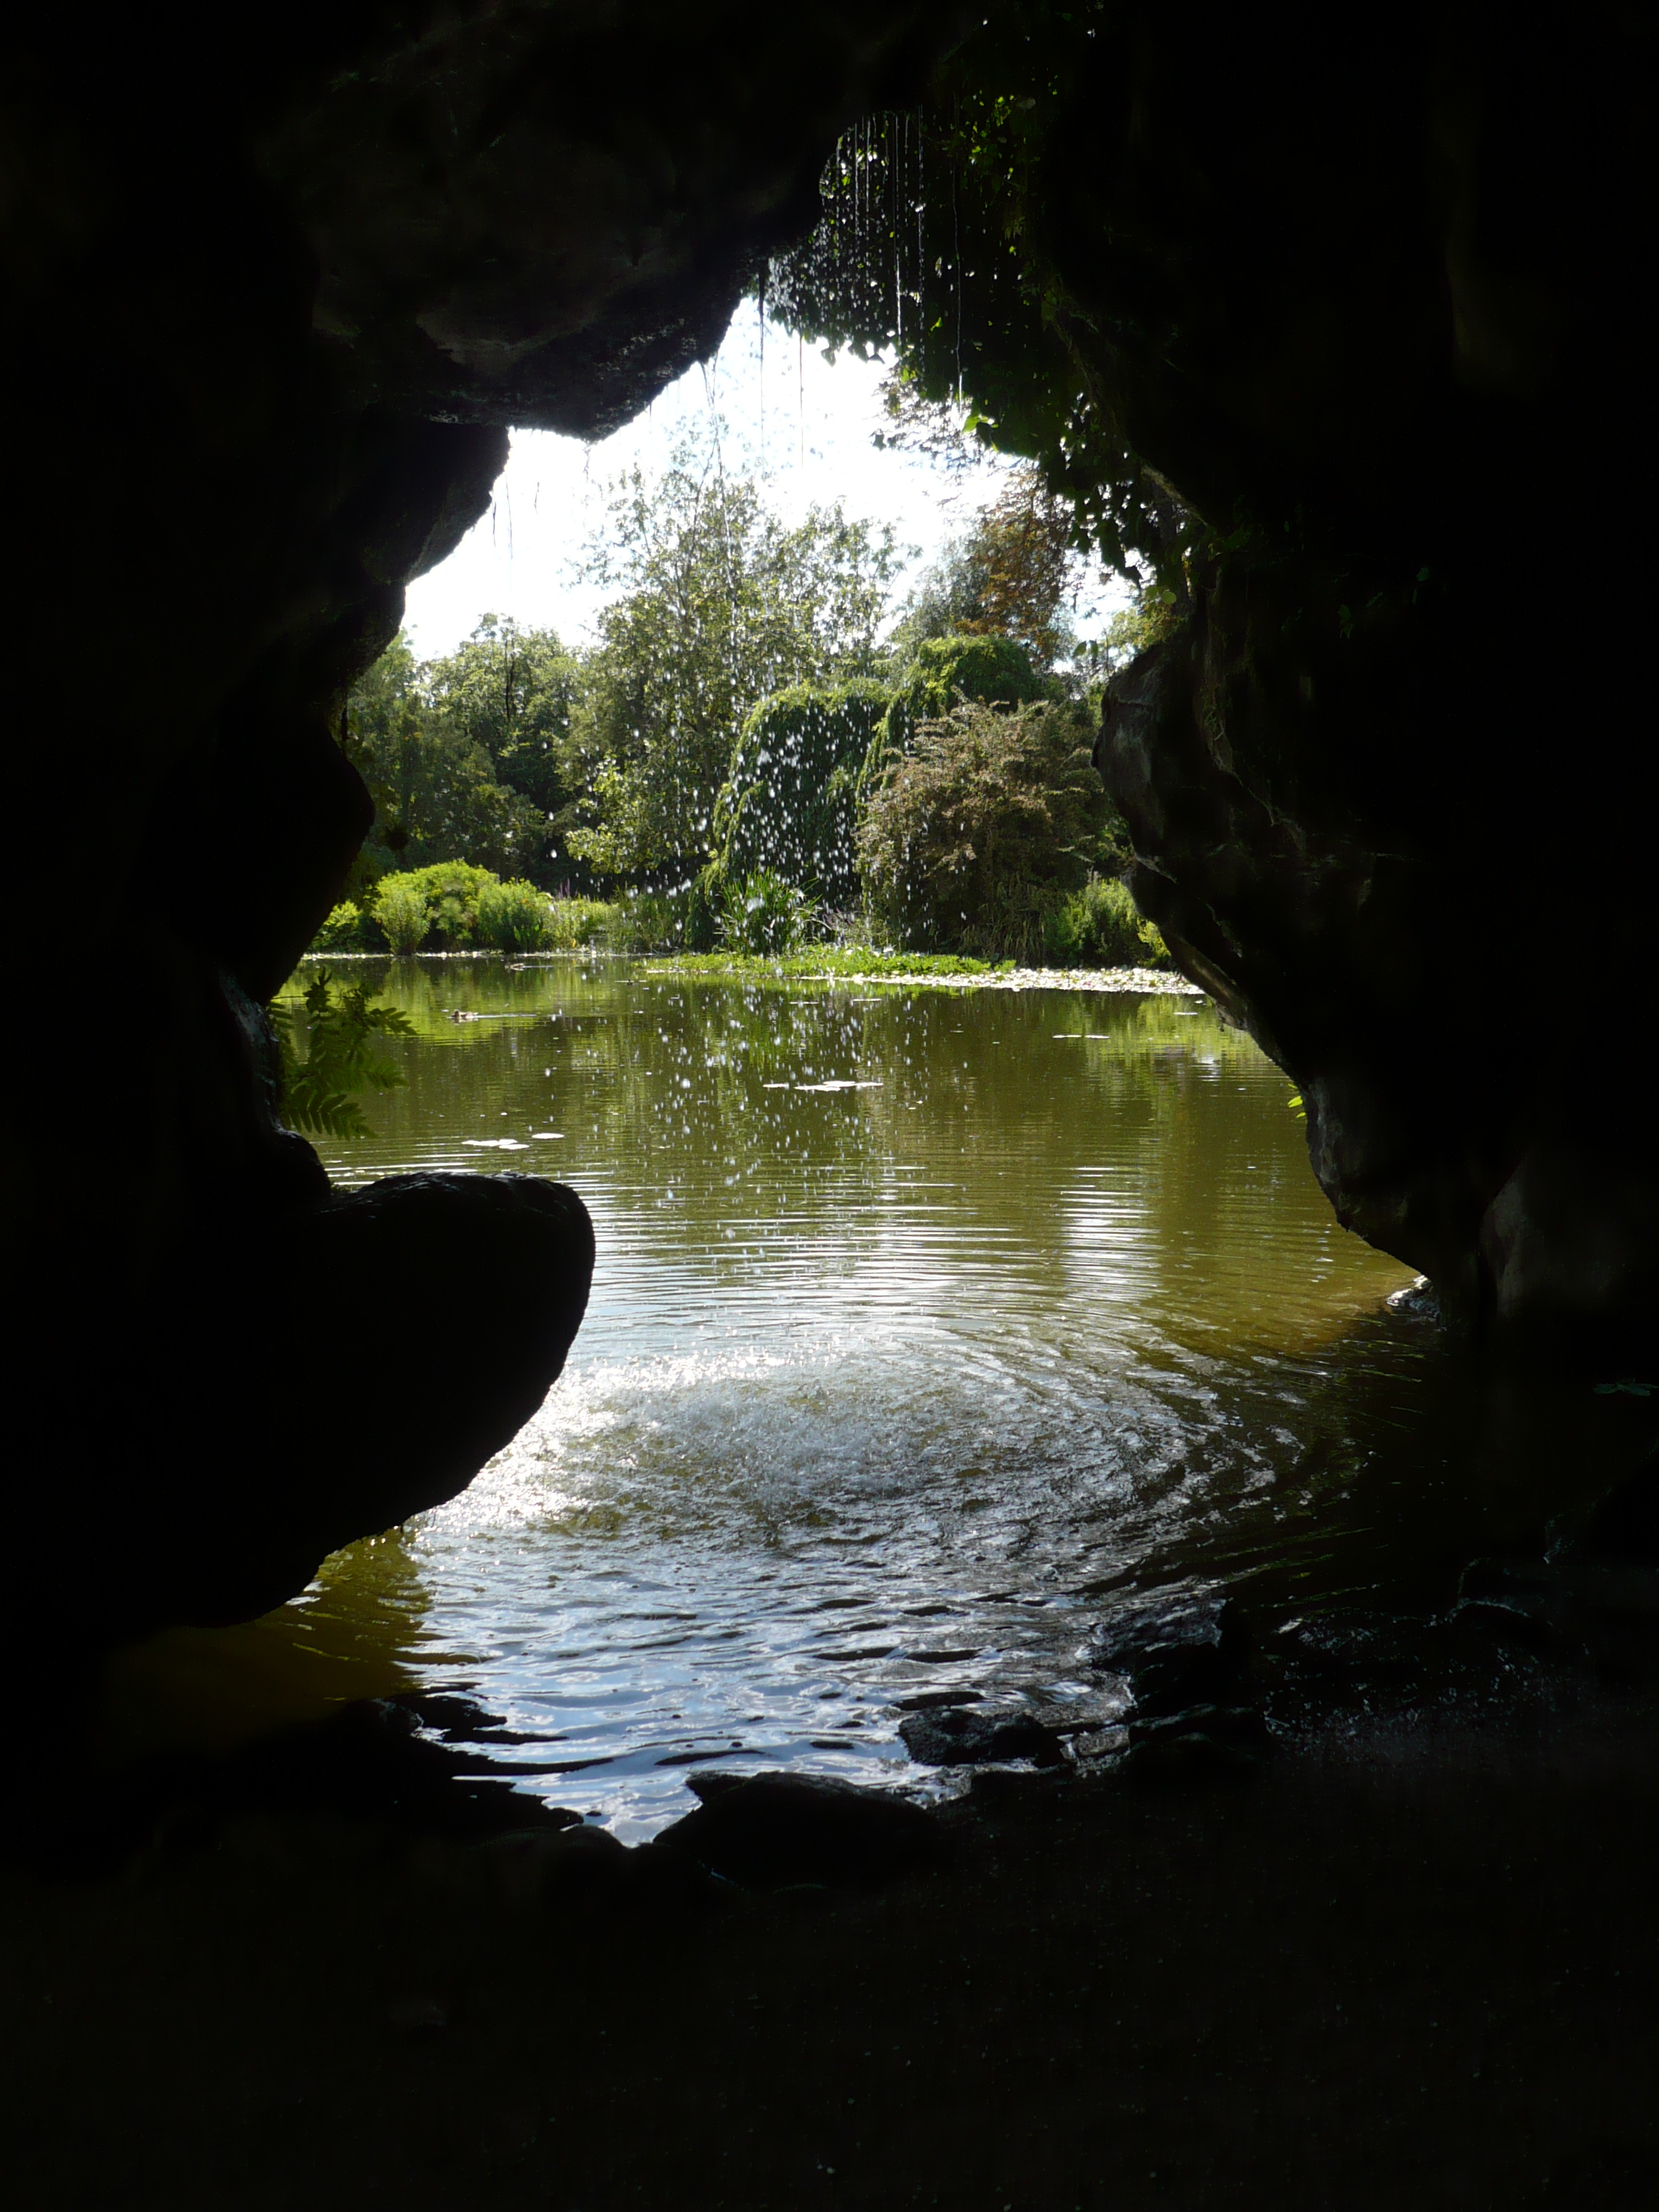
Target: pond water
(931, 1330)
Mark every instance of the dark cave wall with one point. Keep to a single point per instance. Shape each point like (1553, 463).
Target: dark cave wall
(277, 281)
(1374, 303)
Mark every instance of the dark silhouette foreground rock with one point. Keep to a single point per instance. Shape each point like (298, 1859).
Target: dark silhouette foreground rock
(281, 279)
(403, 1334)
(953, 1737)
(775, 1831)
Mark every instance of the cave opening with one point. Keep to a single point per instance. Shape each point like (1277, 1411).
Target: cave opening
(1314, 324)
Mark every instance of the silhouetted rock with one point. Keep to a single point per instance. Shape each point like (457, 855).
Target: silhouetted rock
(1364, 1644)
(1205, 1741)
(770, 1831)
(326, 307)
(953, 1737)
(239, 1496)
(1186, 1653)
(1347, 299)
(1625, 1524)
(1584, 1601)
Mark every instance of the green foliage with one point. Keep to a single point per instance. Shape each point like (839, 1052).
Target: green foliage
(402, 913)
(511, 692)
(1007, 577)
(439, 902)
(946, 671)
(647, 922)
(931, 248)
(512, 917)
(720, 603)
(855, 962)
(765, 915)
(787, 806)
(413, 730)
(1099, 926)
(1153, 614)
(572, 923)
(319, 1091)
(970, 839)
(705, 902)
(344, 929)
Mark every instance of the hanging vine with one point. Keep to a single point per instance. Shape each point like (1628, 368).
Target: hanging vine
(929, 250)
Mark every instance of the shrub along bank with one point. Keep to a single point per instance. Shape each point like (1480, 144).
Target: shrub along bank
(451, 907)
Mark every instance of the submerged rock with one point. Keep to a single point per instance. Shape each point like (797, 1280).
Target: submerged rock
(1414, 1301)
(1369, 1645)
(1585, 1602)
(773, 1831)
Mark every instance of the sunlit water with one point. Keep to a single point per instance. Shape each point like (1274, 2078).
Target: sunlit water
(904, 1386)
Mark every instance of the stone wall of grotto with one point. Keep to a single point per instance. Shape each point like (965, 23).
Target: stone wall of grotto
(278, 277)
(1373, 304)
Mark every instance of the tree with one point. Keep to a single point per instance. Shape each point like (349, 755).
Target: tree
(1006, 576)
(972, 837)
(721, 604)
(1020, 559)
(436, 791)
(787, 806)
(512, 691)
(946, 671)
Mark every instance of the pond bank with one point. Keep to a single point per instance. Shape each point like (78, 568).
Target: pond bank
(945, 972)
(1162, 983)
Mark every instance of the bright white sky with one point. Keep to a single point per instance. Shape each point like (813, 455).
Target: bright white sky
(803, 427)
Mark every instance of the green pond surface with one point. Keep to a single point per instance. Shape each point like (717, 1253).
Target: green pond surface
(932, 1331)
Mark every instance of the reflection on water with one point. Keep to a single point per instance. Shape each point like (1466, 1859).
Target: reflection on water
(928, 1326)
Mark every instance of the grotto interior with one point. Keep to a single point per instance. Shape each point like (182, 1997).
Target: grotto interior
(1349, 302)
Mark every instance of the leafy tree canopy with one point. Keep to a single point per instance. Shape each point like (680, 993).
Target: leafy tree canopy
(1008, 576)
(721, 605)
(946, 671)
(788, 804)
(451, 749)
(972, 837)
(511, 692)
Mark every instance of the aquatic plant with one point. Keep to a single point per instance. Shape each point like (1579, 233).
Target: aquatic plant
(764, 914)
(646, 921)
(853, 961)
(401, 912)
(441, 900)
(572, 923)
(512, 917)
